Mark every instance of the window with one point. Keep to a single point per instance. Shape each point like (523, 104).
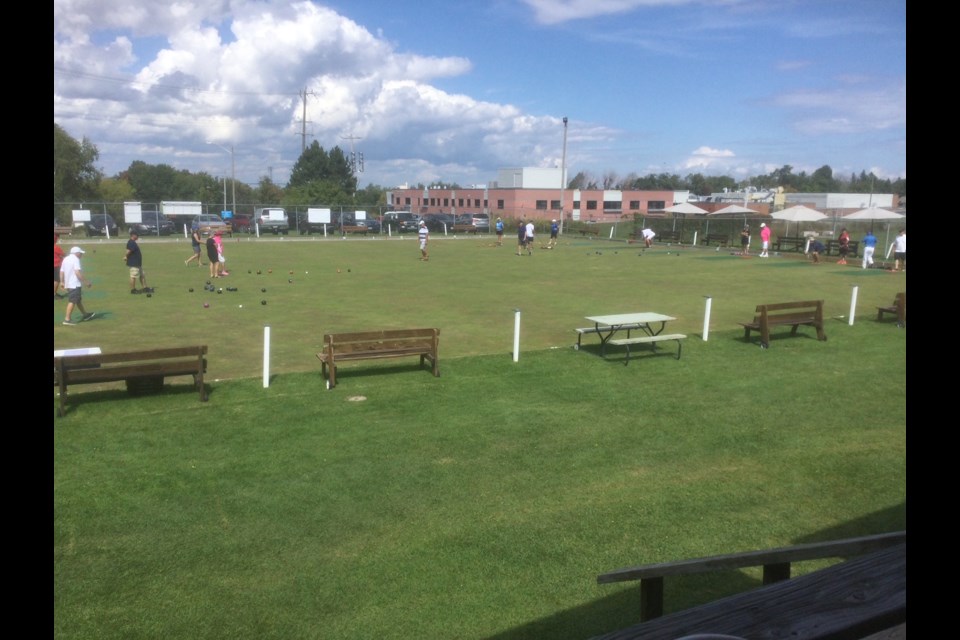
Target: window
(591, 205)
(634, 205)
(655, 205)
(500, 204)
(476, 202)
(446, 202)
(555, 205)
(541, 205)
(612, 206)
(576, 204)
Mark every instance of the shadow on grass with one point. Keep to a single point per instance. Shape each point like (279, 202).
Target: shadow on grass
(75, 398)
(621, 609)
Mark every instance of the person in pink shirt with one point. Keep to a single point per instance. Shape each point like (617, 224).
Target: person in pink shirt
(765, 238)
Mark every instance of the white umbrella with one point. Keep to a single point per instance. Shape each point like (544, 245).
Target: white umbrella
(798, 213)
(685, 207)
(733, 208)
(874, 213)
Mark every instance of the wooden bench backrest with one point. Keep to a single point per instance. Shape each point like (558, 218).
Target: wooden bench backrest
(79, 362)
(789, 310)
(385, 335)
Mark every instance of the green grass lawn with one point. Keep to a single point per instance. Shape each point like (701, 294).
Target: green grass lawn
(481, 504)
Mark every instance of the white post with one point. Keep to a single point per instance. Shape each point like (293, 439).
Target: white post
(853, 304)
(266, 356)
(695, 238)
(706, 318)
(516, 335)
(256, 226)
(611, 231)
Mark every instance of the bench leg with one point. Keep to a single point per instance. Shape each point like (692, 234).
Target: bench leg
(651, 598)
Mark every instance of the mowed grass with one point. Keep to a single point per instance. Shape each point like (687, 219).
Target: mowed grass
(481, 504)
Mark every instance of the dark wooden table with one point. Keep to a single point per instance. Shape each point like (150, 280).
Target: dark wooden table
(845, 601)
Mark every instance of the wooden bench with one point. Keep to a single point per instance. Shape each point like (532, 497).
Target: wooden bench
(651, 340)
(464, 228)
(796, 243)
(850, 599)
(898, 309)
(668, 236)
(143, 371)
(588, 231)
(792, 314)
(354, 229)
(371, 345)
(721, 239)
(63, 231)
(226, 230)
(834, 246)
(584, 330)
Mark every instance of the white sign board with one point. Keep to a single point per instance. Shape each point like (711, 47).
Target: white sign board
(81, 215)
(318, 216)
(360, 215)
(132, 212)
(276, 215)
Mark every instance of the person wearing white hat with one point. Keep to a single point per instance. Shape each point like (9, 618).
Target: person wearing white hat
(71, 279)
(765, 238)
(424, 235)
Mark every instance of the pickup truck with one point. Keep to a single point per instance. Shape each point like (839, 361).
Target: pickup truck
(272, 220)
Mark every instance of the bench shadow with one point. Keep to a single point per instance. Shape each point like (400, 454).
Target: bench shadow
(345, 373)
(621, 609)
(74, 399)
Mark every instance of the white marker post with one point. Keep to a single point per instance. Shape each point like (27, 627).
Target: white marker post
(611, 233)
(706, 318)
(853, 304)
(695, 238)
(516, 335)
(890, 250)
(266, 356)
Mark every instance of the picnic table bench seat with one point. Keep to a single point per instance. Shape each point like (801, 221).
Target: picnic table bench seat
(581, 331)
(848, 600)
(898, 309)
(142, 370)
(372, 345)
(792, 314)
(651, 340)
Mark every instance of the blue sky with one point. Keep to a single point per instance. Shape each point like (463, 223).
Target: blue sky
(454, 90)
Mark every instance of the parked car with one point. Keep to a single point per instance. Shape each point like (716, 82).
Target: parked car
(439, 222)
(481, 221)
(153, 223)
(272, 220)
(242, 223)
(100, 224)
(402, 221)
(209, 223)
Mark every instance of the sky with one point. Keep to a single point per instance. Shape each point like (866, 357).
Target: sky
(453, 90)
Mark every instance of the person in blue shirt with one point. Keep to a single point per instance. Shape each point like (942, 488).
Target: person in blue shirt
(499, 228)
(554, 230)
(816, 248)
(869, 246)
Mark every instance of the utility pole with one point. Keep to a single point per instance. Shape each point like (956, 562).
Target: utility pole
(303, 122)
(353, 155)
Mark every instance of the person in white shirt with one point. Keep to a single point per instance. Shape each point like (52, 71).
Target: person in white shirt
(648, 236)
(424, 235)
(528, 238)
(71, 279)
(900, 251)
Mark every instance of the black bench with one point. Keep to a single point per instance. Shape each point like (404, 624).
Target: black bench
(721, 239)
(792, 314)
(847, 600)
(834, 246)
(141, 370)
(371, 345)
(667, 236)
(898, 309)
(796, 243)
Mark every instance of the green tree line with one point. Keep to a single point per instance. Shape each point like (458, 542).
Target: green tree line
(327, 177)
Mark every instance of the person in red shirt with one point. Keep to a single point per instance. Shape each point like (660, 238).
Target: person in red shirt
(57, 261)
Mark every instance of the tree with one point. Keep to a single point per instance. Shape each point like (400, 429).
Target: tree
(822, 181)
(75, 178)
(267, 192)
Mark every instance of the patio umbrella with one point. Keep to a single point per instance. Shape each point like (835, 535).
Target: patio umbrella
(733, 209)
(873, 213)
(685, 208)
(797, 213)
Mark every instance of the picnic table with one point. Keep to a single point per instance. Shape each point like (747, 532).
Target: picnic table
(609, 325)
